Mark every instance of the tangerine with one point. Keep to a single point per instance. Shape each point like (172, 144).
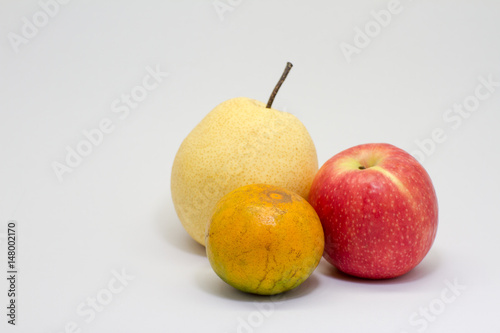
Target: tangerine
(264, 239)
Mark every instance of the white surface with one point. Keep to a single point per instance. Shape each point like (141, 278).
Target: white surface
(114, 211)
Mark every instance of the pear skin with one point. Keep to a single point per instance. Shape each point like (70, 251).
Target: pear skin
(238, 143)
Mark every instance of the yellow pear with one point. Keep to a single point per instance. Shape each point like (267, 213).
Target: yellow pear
(240, 142)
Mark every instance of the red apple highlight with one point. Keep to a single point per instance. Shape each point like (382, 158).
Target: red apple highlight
(378, 209)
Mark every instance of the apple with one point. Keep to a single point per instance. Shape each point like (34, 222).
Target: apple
(378, 209)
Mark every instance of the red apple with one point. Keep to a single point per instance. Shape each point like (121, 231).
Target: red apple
(378, 209)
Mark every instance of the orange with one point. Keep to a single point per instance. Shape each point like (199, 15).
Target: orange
(264, 239)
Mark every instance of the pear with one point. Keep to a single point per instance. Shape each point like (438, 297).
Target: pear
(240, 142)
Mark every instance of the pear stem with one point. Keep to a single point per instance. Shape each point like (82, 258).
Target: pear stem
(278, 85)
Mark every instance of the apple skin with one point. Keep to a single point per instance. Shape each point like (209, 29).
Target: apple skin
(378, 209)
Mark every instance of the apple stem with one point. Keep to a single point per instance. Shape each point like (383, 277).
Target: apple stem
(278, 85)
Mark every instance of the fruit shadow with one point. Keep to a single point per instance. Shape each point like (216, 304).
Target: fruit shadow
(430, 264)
(170, 227)
(210, 283)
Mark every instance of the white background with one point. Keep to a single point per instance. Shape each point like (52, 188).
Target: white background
(114, 212)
